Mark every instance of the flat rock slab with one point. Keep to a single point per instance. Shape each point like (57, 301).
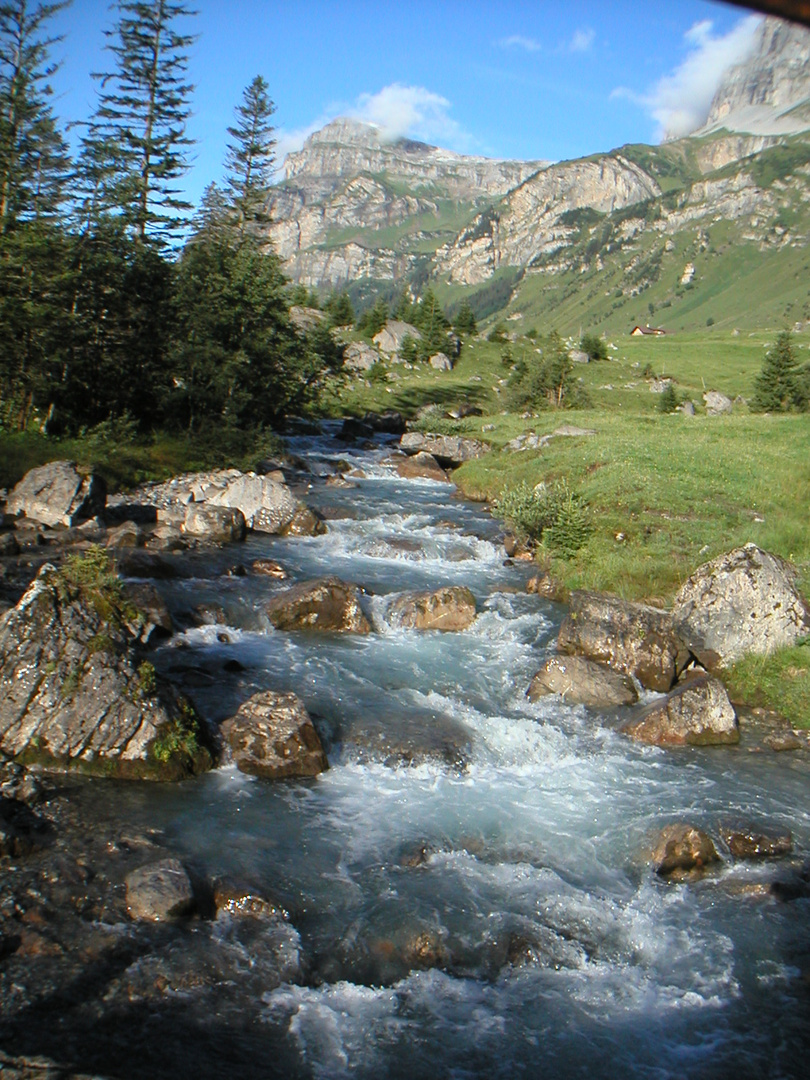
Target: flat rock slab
(743, 602)
(272, 736)
(580, 681)
(682, 852)
(267, 505)
(698, 713)
(632, 638)
(159, 892)
(448, 609)
(326, 604)
(58, 494)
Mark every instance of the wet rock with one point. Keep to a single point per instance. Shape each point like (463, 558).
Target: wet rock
(782, 741)
(518, 547)
(635, 639)
(216, 524)
(126, 535)
(425, 950)
(546, 586)
(407, 738)
(449, 609)
(243, 899)
(149, 564)
(389, 422)
(58, 494)
(304, 522)
(743, 602)
(683, 852)
(21, 831)
(166, 537)
(159, 891)
(698, 713)
(755, 843)
(19, 784)
(9, 544)
(209, 613)
(272, 736)
(449, 450)
(422, 466)
(74, 693)
(156, 620)
(326, 604)
(582, 682)
(269, 568)
(267, 506)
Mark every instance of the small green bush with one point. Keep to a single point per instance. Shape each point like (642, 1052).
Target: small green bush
(553, 514)
(668, 401)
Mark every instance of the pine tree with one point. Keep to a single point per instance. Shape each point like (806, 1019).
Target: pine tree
(250, 159)
(777, 387)
(33, 155)
(136, 145)
(465, 319)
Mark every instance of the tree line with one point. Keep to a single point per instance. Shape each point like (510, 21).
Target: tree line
(111, 304)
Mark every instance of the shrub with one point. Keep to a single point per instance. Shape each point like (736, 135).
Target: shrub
(668, 401)
(594, 346)
(498, 333)
(553, 514)
(545, 381)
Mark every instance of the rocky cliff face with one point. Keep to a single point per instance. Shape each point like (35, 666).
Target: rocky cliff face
(769, 92)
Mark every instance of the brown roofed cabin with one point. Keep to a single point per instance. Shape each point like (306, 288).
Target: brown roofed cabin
(656, 331)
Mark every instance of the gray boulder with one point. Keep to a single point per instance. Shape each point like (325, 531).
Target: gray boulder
(326, 604)
(632, 638)
(449, 450)
(305, 319)
(683, 852)
(390, 339)
(58, 494)
(267, 505)
(448, 609)
(216, 524)
(360, 357)
(698, 713)
(743, 602)
(272, 736)
(159, 892)
(580, 681)
(716, 403)
(441, 362)
(74, 693)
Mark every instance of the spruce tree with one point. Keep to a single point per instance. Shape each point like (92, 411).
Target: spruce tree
(250, 160)
(777, 387)
(136, 146)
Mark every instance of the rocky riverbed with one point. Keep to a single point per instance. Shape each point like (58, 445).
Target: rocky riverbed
(400, 864)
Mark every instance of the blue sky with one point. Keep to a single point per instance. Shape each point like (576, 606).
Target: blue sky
(535, 80)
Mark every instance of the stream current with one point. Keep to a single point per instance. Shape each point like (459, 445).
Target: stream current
(469, 884)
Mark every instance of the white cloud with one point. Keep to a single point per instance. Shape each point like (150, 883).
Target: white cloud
(680, 101)
(399, 110)
(519, 41)
(582, 40)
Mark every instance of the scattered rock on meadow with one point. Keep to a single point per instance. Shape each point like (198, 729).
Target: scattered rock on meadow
(683, 852)
(447, 609)
(159, 891)
(698, 713)
(717, 404)
(326, 604)
(272, 736)
(580, 681)
(449, 450)
(743, 602)
(633, 638)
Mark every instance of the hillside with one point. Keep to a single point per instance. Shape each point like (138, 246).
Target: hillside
(709, 229)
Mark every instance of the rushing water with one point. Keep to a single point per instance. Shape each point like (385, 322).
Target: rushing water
(470, 880)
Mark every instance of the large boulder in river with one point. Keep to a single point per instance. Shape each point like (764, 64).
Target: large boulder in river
(743, 602)
(74, 691)
(682, 852)
(272, 736)
(635, 639)
(217, 524)
(422, 467)
(327, 604)
(449, 450)
(58, 494)
(580, 681)
(450, 608)
(268, 506)
(698, 713)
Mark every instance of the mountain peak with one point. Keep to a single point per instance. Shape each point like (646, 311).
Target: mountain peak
(768, 93)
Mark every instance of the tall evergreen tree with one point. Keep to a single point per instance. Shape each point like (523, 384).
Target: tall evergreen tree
(250, 159)
(33, 155)
(778, 386)
(136, 144)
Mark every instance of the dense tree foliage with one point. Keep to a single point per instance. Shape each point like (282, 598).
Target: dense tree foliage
(546, 380)
(594, 346)
(781, 385)
(103, 316)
